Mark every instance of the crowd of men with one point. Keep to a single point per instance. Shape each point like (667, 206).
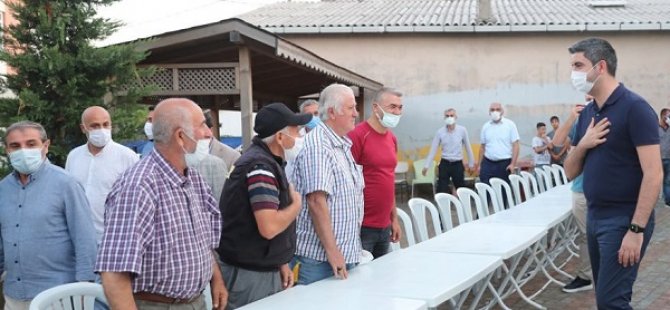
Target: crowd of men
(312, 191)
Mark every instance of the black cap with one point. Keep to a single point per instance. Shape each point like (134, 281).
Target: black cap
(275, 116)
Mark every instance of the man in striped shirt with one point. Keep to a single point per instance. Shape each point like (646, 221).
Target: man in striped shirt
(328, 227)
(259, 207)
(162, 223)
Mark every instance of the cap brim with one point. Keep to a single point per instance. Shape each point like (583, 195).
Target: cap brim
(300, 119)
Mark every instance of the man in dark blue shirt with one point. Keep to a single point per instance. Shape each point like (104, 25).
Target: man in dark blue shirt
(617, 149)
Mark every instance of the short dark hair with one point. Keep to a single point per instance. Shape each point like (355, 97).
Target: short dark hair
(595, 50)
(540, 124)
(152, 107)
(554, 118)
(660, 114)
(208, 118)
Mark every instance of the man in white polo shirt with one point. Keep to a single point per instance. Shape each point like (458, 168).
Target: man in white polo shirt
(97, 164)
(500, 146)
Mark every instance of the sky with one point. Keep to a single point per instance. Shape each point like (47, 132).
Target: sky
(144, 18)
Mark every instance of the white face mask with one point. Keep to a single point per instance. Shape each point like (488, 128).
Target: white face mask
(450, 121)
(495, 115)
(388, 120)
(291, 154)
(580, 81)
(26, 161)
(148, 130)
(201, 151)
(100, 137)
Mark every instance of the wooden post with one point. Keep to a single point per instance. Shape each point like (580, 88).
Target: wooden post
(246, 95)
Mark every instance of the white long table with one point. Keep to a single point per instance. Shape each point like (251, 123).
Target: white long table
(306, 297)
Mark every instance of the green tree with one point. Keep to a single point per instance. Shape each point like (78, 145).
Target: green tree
(59, 72)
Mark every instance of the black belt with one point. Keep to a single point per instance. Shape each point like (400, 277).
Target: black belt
(498, 161)
(452, 162)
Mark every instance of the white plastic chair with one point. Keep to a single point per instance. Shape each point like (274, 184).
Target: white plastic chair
(444, 204)
(532, 181)
(486, 194)
(518, 185)
(75, 296)
(418, 207)
(502, 189)
(466, 196)
(544, 179)
(561, 172)
(551, 173)
(406, 223)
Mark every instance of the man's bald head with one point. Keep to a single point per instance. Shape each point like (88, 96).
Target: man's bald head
(95, 117)
(172, 114)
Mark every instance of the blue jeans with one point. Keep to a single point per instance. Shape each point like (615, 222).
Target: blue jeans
(666, 181)
(376, 240)
(613, 282)
(312, 270)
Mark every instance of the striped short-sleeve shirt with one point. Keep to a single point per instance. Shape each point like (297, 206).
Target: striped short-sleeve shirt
(326, 164)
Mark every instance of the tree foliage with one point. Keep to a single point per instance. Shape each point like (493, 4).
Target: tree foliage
(58, 72)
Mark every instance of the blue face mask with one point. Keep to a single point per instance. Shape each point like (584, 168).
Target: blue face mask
(313, 123)
(26, 161)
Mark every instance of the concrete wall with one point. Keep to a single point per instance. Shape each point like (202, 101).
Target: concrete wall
(528, 73)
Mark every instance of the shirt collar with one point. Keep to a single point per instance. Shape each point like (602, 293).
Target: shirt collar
(335, 140)
(612, 99)
(104, 150)
(35, 175)
(170, 173)
(502, 119)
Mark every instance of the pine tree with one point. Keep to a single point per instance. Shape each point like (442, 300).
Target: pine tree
(59, 72)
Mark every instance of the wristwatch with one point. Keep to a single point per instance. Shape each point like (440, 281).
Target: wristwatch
(636, 228)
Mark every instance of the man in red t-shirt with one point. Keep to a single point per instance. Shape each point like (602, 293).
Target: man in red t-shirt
(375, 147)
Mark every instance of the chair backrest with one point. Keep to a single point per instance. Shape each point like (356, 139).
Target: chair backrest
(519, 187)
(467, 196)
(532, 181)
(561, 172)
(420, 178)
(551, 173)
(502, 189)
(418, 207)
(76, 296)
(407, 226)
(444, 204)
(488, 194)
(543, 179)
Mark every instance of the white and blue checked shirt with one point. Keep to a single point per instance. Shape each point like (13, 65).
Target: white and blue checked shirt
(326, 164)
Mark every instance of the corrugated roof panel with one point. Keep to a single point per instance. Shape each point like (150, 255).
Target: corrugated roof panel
(428, 15)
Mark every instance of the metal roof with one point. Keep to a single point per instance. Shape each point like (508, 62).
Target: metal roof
(379, 16)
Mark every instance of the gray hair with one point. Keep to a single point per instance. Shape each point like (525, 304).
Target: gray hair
(595, 50)
(307, 103)
(333, 97)
(165, 126)
(450, 110)
(271, 138)
(379, 96)
(22, 125)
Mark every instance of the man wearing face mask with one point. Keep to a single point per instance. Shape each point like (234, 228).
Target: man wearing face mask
(98, 163)
(219, 149)
(452, 138)
(47, 234)
(499, 146)
(162, 224)
(260, 207)
(374, 146)
(664, 134)
(148, 131)
(311, 106)
(617, 150)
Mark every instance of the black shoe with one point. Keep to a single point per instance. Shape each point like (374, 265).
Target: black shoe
(578, 285)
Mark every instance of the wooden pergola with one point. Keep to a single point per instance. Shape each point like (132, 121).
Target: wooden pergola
(233, 65)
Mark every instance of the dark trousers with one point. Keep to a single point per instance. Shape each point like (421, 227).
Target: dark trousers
(376, 240)
(494, 169)
(450, 171)
(613, 282)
